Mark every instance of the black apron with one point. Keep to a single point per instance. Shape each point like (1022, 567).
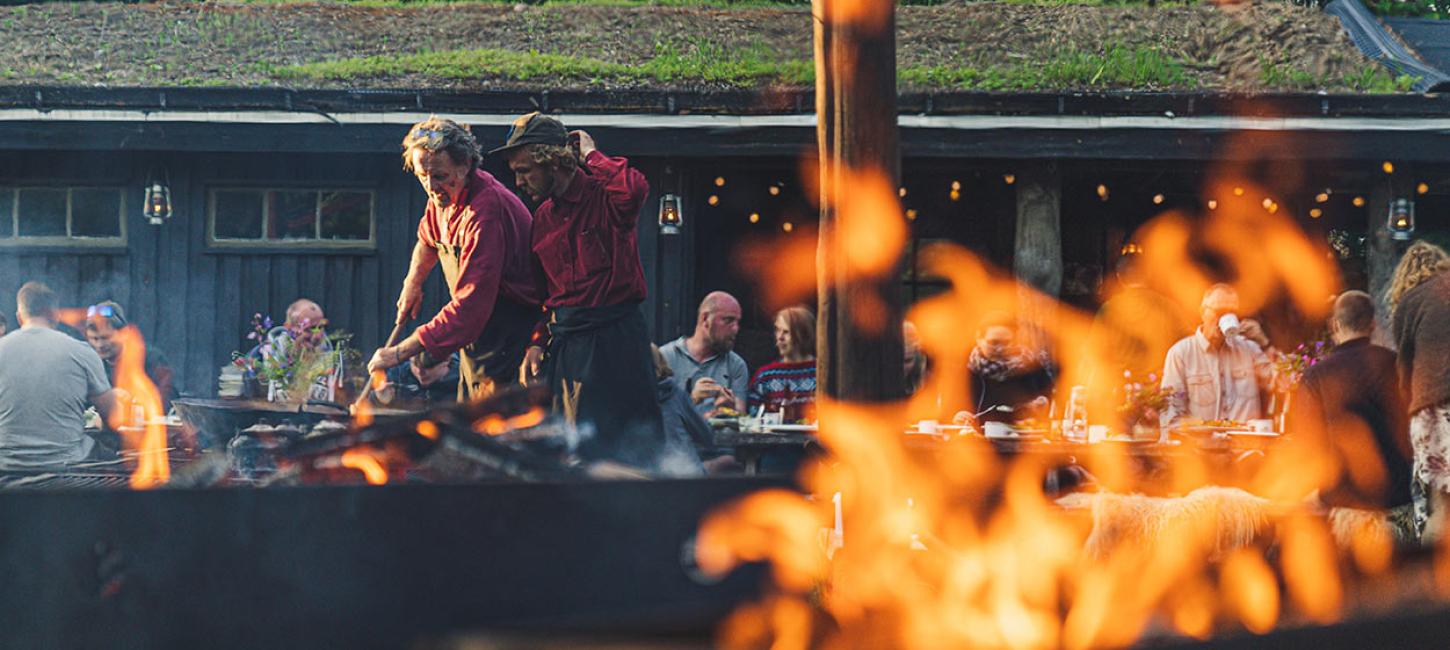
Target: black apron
(492, 362)
(602, 373)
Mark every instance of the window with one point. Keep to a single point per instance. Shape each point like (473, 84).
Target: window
(304, 218)
(64, 216)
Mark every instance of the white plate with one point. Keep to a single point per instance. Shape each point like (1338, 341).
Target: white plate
(1257, 434)
(790, 428)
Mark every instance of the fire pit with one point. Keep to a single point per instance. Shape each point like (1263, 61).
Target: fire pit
(215, 421)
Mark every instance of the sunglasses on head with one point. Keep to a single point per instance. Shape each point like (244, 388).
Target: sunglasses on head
(431, 135)
(108, 312)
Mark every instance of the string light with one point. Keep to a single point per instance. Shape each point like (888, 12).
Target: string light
(1009, 178)
(1316, 213)
(1238, 191)
(713, 200)
(901, 192)
(956, 195)
(787, 226)
(1422, 188)
(1213, 204)
(1267, 203)
(911, 215)
(774, 190)
(956, 186)
(1358, 201)
(1321, 197)
(1157, 199)
(1103, 192)
(755, 217)
(719, 181)
(1273, 208)
(1388, 166)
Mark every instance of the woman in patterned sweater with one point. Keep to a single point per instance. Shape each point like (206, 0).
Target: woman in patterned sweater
(789, 382)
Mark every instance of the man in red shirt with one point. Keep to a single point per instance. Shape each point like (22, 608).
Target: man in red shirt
(598, 362)
(479, 233)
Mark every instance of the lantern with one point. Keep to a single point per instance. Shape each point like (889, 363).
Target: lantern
(1401, 222)
(671, 215)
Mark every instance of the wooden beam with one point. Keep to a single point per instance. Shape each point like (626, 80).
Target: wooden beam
(855, 44)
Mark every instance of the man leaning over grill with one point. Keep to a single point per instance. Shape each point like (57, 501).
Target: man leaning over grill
(598, 361)
(479, 233)
(46, 381)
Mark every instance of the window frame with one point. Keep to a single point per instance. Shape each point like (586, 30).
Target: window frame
(68, 241)
(315, 244)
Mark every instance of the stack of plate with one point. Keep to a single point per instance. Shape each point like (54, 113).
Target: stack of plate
(231, 381)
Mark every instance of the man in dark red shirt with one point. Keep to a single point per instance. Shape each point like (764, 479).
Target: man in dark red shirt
(479, 233)
(598, 360)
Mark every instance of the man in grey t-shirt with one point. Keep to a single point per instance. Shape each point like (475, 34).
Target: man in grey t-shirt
(704, 363)
(46, 381)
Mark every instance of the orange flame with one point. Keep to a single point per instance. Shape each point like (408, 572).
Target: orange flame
(364, 460)
(141, 398)
(428, 429)
(362, 414)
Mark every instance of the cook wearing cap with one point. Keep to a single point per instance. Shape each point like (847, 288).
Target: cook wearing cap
(598, 361)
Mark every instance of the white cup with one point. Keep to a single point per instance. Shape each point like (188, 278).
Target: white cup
(997, 430)
(928, 427)
(1228, 324)
(1261, 426)
(1097, 432)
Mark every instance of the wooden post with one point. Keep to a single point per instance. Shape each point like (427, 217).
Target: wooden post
(1381, 253)
(1037, 262)
(1038, 258)
(855, 46)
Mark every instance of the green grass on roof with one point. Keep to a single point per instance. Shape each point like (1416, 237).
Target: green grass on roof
(704, 63)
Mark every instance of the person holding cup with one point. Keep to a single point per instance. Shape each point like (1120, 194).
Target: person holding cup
(1218, 372)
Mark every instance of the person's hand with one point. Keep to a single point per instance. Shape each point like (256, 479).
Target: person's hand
(1251, 330)
(582, 143)
(962, 418)
(704, 389)
(383, 359)
(533, 360)
(725, 398)
(409, 301)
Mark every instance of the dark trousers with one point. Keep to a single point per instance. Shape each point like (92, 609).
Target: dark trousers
(601, 371)
(493, 361)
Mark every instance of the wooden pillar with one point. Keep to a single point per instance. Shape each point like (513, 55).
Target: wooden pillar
(855, 46)
(1038, 258)
(1037, 261)
(1381, 253)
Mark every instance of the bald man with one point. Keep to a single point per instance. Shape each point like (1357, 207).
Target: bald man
(307, 323)
(705, 364)
(1215, 375)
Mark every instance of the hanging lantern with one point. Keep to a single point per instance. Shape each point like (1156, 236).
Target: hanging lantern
(156, 205)
(1401, 222)
(671, 217)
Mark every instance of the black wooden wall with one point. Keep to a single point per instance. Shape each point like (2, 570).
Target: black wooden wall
(196, 303)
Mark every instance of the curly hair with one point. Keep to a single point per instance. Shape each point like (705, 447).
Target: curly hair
(1421, 262)
(437, 134)
(552, 156)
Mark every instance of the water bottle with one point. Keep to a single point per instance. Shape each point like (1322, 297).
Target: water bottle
(1074, 418)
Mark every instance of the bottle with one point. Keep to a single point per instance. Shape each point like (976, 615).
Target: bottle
(1074, 418)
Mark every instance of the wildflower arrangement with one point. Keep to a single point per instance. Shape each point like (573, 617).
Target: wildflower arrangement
(1291, 365)
(278, 361)
(1143, 399)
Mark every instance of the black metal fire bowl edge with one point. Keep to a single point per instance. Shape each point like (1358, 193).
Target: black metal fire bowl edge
(359, 566)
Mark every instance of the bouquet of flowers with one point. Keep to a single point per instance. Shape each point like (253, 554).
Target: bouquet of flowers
(1290, 366)
(1142, 400)
(282, 363)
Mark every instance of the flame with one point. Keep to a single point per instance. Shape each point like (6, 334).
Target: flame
(140, 397)
(965, 548)
(428, 429)
(364, 460)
